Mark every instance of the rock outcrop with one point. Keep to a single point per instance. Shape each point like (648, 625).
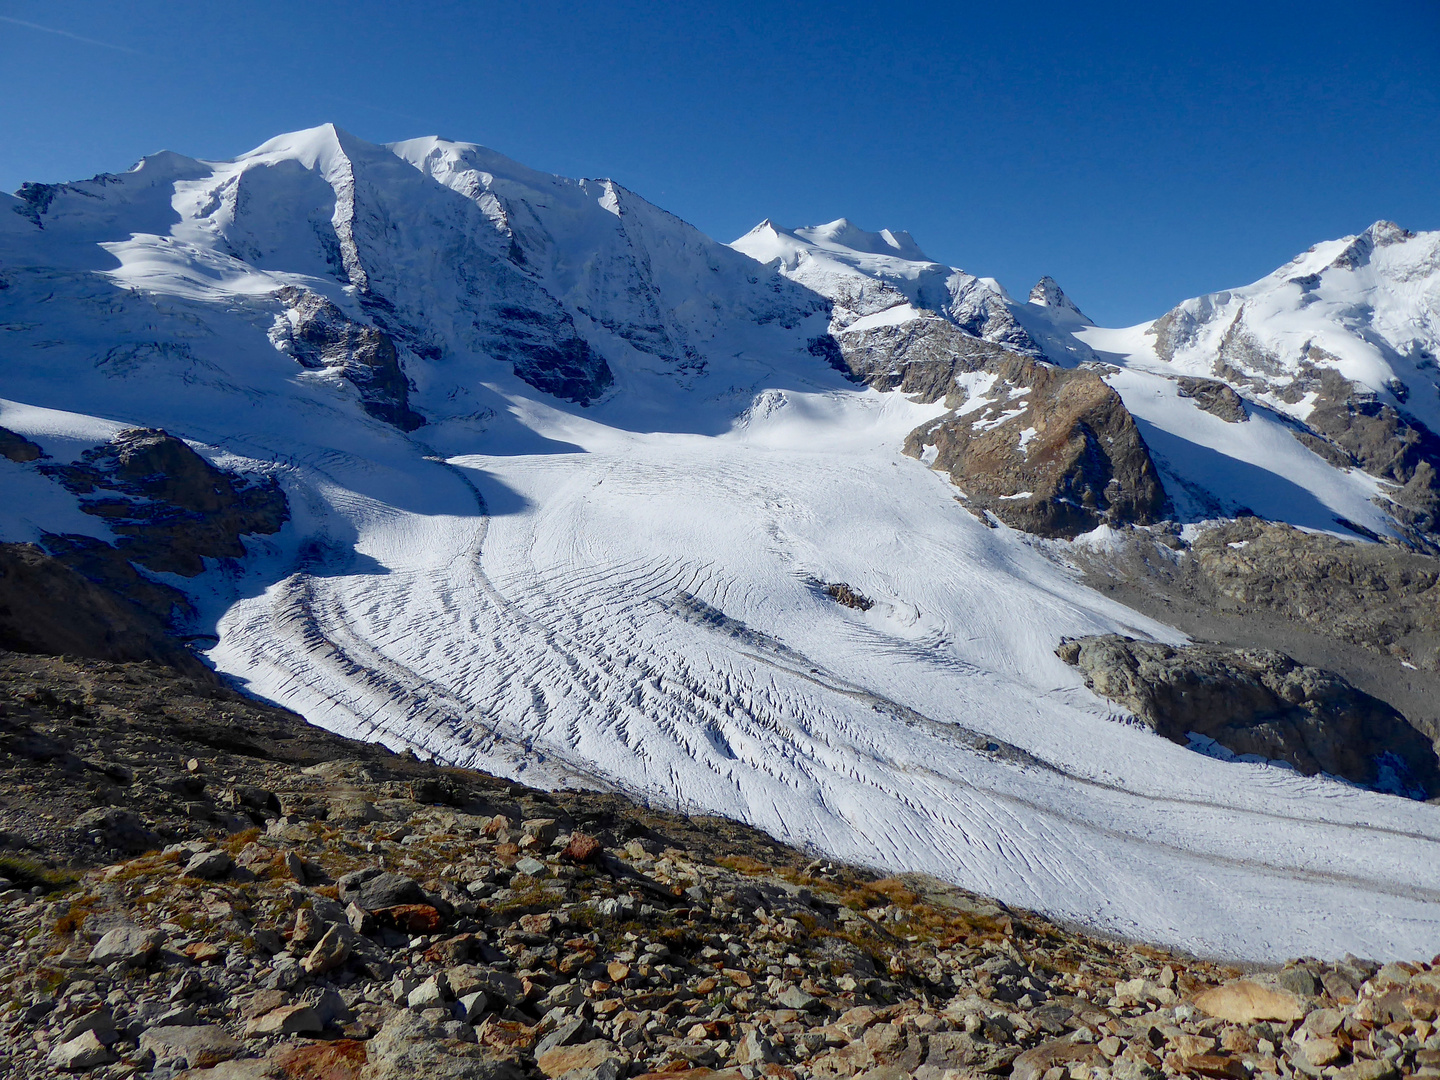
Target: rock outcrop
(46, 607)
(170, 508)
(1215, 397)
(1377, 597)
(1260, 703)
(1049, 450)
(321, 337)
(1360, 429)
(921, 357)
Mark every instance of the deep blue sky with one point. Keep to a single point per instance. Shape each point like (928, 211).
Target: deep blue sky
(1138, 155)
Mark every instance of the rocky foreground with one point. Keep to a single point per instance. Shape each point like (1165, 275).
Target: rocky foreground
(199, 885)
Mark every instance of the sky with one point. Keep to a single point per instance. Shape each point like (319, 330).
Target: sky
(1136, 154)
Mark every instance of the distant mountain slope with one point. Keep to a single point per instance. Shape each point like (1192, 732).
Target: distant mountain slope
(1341, 344)
(1291, 398)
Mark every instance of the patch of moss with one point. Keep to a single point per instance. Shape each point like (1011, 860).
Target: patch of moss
(743, 864)
(29, 874)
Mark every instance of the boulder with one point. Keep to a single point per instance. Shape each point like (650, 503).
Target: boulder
(198, 1047)
(597, 1056)
(85, 1051)
(208, 865)
(286, 1020)
(1247, 1002)
(386, 890)
(1036, 1062)
(582, 848)
(409, 1047)
(127, 945)
(329, 952)
(1215, 397)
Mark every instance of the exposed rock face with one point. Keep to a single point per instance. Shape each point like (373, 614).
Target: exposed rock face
(920, 357)
(1214, 397)
(1260, 702)
(540, 341)
(1383, 441)
(320, 336)
(46, 607)
(18, 448)
(1049, 450)
(1377, 597)
(171, 508)
(1047, 293)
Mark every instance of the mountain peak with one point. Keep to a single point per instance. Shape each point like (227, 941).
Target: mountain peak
(1048, 294)
(843, 233)
(1358, 251)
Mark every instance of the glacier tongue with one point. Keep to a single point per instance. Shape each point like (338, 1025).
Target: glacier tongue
(603, 558)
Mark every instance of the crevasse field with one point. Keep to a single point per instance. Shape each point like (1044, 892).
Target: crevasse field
(630, 594)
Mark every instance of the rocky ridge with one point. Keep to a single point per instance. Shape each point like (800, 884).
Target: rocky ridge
(168, 509)
(251, 898)
(320, 337)
(1049, 450)
(1260, 704)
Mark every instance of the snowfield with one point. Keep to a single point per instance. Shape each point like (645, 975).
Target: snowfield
(631, 594)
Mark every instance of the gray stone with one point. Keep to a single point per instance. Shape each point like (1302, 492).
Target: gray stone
(208, 865)
(795, 998)
(567, 1032)
(565, 996)
(387, 890)
(99, 1021)
(1299, 981)
(286, 1020)
(127, 945)
(328, 1005)
(198, 1047)
(498, 985)
(754, 1049)
(408, 1047)
(432, 992)
(472, 1007)
(329, 953)
(85, 1051)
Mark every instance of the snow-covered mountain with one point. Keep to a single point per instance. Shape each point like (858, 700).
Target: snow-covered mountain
(572, 489)
(1291, 398)
(1341, 345)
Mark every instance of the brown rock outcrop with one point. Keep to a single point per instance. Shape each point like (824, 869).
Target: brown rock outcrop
(1054, 452)
(170, 507)
(46, 607)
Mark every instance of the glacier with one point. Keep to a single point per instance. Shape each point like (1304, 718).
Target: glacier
(601, 559)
